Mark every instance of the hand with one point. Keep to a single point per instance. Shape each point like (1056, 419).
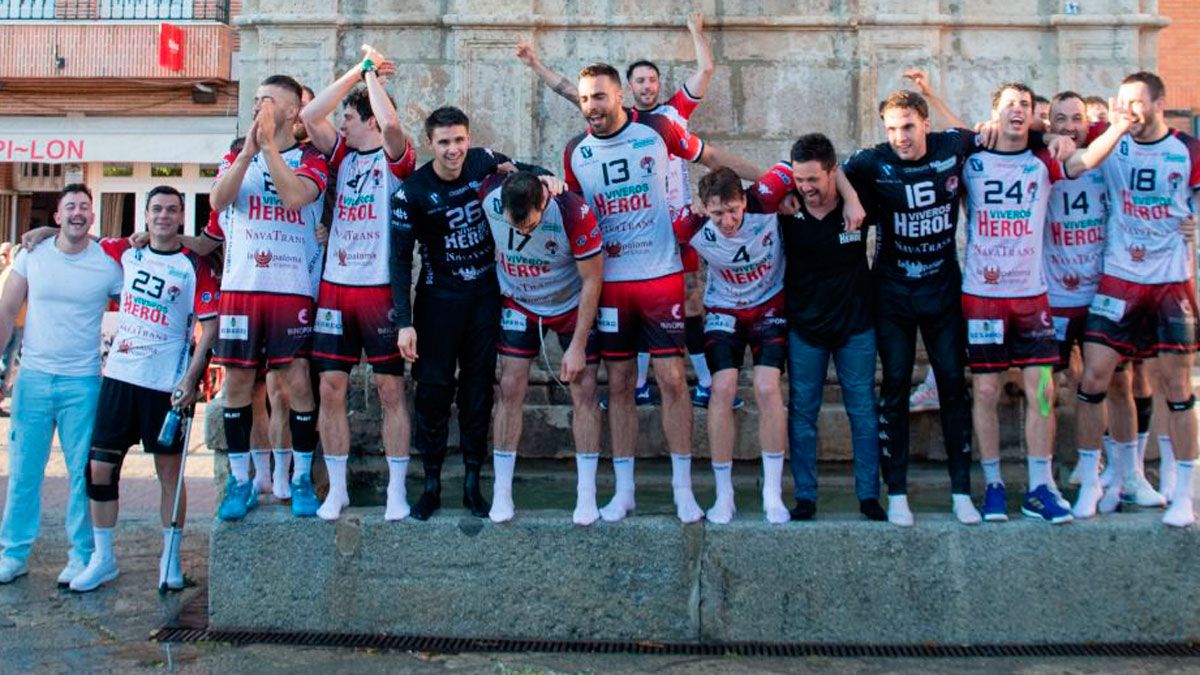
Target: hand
(250, 145)
(573, 362)
(385, 70)
(1123, 118)
(920, 80)
(790, 204)
(696, 208)
(989, 133)
(507, 167)
(695, 23)
(406, 342)
(553, 184)
(853, 215)
(36, 236)
(139, 239)
(266, 125)
(1187, 228)
(184, 394)
(322, 233)
(527, 53)
(373, 55)
(1061, 147)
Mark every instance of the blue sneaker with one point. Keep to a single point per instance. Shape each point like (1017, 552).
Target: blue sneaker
(995, 503)
(643, 396)
(1042, 503)
(304, 497)
(702, 395)
(239, 499)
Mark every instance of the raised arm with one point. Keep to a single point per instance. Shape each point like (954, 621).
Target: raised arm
(697, 84)
(714, 157)
(321, 131)
(395, 142)
(557, 82)
(1083, 159)
(229, 182)
(920, 80)
(294, 191)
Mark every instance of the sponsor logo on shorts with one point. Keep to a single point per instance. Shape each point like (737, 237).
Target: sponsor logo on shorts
(234, 327)
(1108, 307)
(606, 320)
(1060, 328)
(329, 321)
(677, 310)
(985, 331)
(512, 320)
(719, 322)
(302, 316)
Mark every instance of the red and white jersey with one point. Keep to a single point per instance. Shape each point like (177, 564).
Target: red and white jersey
(679, 109)
(1150, 188)
(1074, 243)
(357, 250)
(623, 177)
(1007, 199)
(163, 296)
(746, 268)
(537, 270)
(270, 248)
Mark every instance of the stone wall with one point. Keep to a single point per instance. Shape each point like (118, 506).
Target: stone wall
(784, 67)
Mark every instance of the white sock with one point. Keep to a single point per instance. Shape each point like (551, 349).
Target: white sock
(586, 511)
(1090, 489)
(772, 489)
(643, 368)
(337, 498)
(681, 484)
(723, 510)
(964, 509)
(1111, 465)
(1127, 456)
(681, 472)
(1039, 471)
(623, 499)
(397, 494)
(103, 537)
(1140, 465)
(991, 471)
(239, 466)
(281, 485)
(1182, 511)
(504, 463)
(703, 377)
(262, 467)
(1184, 488)
(301, 464)
(1089, 467)
(1166, 466)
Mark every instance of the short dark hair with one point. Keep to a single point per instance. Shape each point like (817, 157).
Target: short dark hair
(1153, 82)
(72, 188)
(286, 82)
(237, 145)
(522, 192)
(308, 90)
(906, 100)
(360, 100)
(814, 148)
(164, 190)
(721, 183)
(643, 63)
(1015, 86)
(1066, 96)
(1040, 99)
(1095, 100)
(600, 70)
(446, 116)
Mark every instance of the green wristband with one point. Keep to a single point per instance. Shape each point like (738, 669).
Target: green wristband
(367, 66)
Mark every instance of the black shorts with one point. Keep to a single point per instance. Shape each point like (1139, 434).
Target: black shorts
(352, 320)
(1142, 320)
(128, 414)
(727, 333)
(521, 339)
(1069, 324)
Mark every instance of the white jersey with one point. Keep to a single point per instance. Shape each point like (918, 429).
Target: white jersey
(163, 295)
(745, 269)
(1074, 243)
(357, 251)
(1150, 188)
(623, 177)
(270, 248)
(538, 270)
(1007, 199)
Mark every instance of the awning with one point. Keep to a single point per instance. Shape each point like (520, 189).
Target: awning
(203, 140)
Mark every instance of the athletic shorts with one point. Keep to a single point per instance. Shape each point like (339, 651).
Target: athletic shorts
(645, 313)
(1007, 332)
(521, 339)
(351, 320)
(258, 328)
(1141, 320)
(727, 333)
(1069, 324)
(129, 414)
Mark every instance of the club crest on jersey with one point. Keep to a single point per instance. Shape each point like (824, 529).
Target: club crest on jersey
(138, 254)
(991, 274)
(586, 152)
(173, 293)
(976, 164)
(613, 250)
(433, 198)
(768, 238)
(1032, 192)
(1174, 180)
(647, 165)
(709, 235)
(552, 246)
(888, 170)
(262, 258)
(124, 347)
(952, 184)
(1137, 253)
(497, 206)
(1070, 281)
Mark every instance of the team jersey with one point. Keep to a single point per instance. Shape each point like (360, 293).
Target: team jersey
(1150, 191)
(537, 270)
(162, 297)
(914, 204)
(1074, 245)
(1007, 198)
(679, 108)
(270, 248)
(445, 220)
(746, 268)
(357, 251)
(623, 177)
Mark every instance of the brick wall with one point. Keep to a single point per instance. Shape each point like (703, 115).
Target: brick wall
(1177, 53)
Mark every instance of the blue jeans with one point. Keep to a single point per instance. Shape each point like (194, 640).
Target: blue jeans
(42, 402)
(807, 365)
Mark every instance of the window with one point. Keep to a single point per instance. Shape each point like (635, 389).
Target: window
(117, 214)
(166, 170)
(146, 9)
(201, 213)
(118, 170)
(209, 170)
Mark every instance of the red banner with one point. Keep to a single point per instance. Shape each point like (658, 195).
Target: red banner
(170, 46)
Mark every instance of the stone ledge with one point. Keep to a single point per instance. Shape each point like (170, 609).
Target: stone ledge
(838, 579)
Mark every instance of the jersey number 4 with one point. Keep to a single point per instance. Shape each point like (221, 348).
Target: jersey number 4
(995, 193)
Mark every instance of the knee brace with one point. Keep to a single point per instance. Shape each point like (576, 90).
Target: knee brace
(238, 422)
(1182, 406)
(693, 333)
(304, 430)
(1144, 407)
(108, 491)
(1090, 398)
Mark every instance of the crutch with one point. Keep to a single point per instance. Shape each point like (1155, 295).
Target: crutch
(187, 439)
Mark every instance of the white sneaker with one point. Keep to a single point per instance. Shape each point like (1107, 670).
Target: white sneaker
(10, 569)
(924, 398)
(1139, 491)
(1182, 513)
(73, 569)
(898, 512)
(100, 570)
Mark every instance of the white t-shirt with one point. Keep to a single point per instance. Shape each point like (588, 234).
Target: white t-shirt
(67, 298)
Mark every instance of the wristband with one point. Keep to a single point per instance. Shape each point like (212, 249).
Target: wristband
(368, 66)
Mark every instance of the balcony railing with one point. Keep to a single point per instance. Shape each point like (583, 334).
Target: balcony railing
(114, 10)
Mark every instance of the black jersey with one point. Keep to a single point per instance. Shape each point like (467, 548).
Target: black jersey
(914, 203)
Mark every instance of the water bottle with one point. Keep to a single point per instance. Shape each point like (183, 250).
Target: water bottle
(170, 427)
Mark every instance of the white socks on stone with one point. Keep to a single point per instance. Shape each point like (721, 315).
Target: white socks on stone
(281, 484)
(1110, 461)
(301, 464)
(169, 566)
(103, 537)
(397, 494)
(722, 511)
(586, 511)
(622, 503)
(1039, 472)
(964, 509)
(1090, 489)
(338, 498)
(703, 377)
(1166, 466)
(504, 464)
(643, 369)
(1182, 512)
(898, 512)
(239, 466)
(772, 491)
(262, 470)
(991, 471)
(686, 507)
